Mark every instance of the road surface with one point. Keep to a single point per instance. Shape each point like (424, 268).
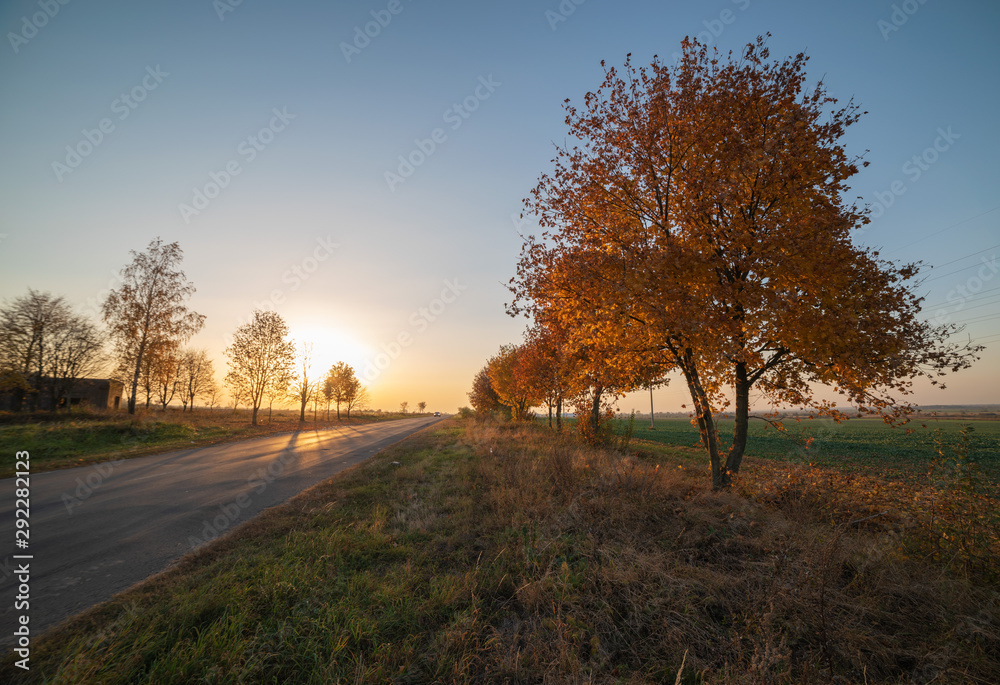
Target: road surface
(96, 530)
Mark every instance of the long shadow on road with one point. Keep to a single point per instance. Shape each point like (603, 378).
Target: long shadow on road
(96, 530)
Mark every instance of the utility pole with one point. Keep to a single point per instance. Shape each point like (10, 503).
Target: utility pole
(652, 425)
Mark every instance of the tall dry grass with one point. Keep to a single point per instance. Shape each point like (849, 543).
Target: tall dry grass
(611, 567)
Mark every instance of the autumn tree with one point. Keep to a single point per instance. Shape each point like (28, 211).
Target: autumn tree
(167, 375)
(303, 385)
(147, 313)
(403, 405)
(355, 394)
(509, 379)
(45, 347)
(338, 384)
(483, 397)
(277, 389)
(421, 406)
(550, 366)
(260, 358)
(197, 376)
(699, 218)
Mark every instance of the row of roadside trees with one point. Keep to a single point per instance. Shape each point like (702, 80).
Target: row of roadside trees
(46, 347)
(698, 224)
(263, 365)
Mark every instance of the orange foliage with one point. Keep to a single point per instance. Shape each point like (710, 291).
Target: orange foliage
(699, 225)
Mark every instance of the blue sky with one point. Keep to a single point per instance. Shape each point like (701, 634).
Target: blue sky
(426, 259)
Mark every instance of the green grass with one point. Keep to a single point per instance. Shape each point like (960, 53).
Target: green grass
(851, 444)
(348, 580)
(506, 553)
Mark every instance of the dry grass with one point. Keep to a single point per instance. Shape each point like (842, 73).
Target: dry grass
(625, 564)
(505, 553)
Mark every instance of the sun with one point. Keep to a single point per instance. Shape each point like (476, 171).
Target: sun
(330, 345)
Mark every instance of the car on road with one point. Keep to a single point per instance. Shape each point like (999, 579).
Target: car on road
(437, 413)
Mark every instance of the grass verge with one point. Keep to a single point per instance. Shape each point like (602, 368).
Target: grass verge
(501, 553)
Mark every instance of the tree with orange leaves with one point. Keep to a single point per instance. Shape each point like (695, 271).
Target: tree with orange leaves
(700, 224)
(509, 378)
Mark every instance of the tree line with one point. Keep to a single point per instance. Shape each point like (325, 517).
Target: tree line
(698, 224)
(46, 347)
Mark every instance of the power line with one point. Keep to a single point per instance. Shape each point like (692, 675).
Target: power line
(973, 298)
(964, 308)
(931, 235)
(938, 266)
(980, 319)
(951, 273)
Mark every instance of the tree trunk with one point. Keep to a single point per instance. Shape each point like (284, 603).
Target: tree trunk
(253, 419)
(302, 412)
(706, 422)
(559, 415)
(595, 410)
(338, 410)
(550, 416)
(735, 457)
(135, 385)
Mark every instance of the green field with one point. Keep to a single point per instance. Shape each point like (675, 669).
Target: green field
(857, 442)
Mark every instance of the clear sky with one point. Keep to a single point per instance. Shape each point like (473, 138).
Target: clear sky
(160, 103)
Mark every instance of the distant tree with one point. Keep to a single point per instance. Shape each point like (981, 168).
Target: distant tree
(167, 375)
(483, 397)
(277, 389)
(303, 385)
(148, 312)
(327, 392)
(77, 351)
(421, 406)
(45, 347)
(509, 378)
(338, 383)
(403, 405)
(260, 356)
(212, 395)
(551, 367)
(197, 376)
(355, 395)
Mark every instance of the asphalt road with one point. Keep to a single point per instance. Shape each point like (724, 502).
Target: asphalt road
(96, 530)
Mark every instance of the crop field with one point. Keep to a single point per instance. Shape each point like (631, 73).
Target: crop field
(851, 444)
